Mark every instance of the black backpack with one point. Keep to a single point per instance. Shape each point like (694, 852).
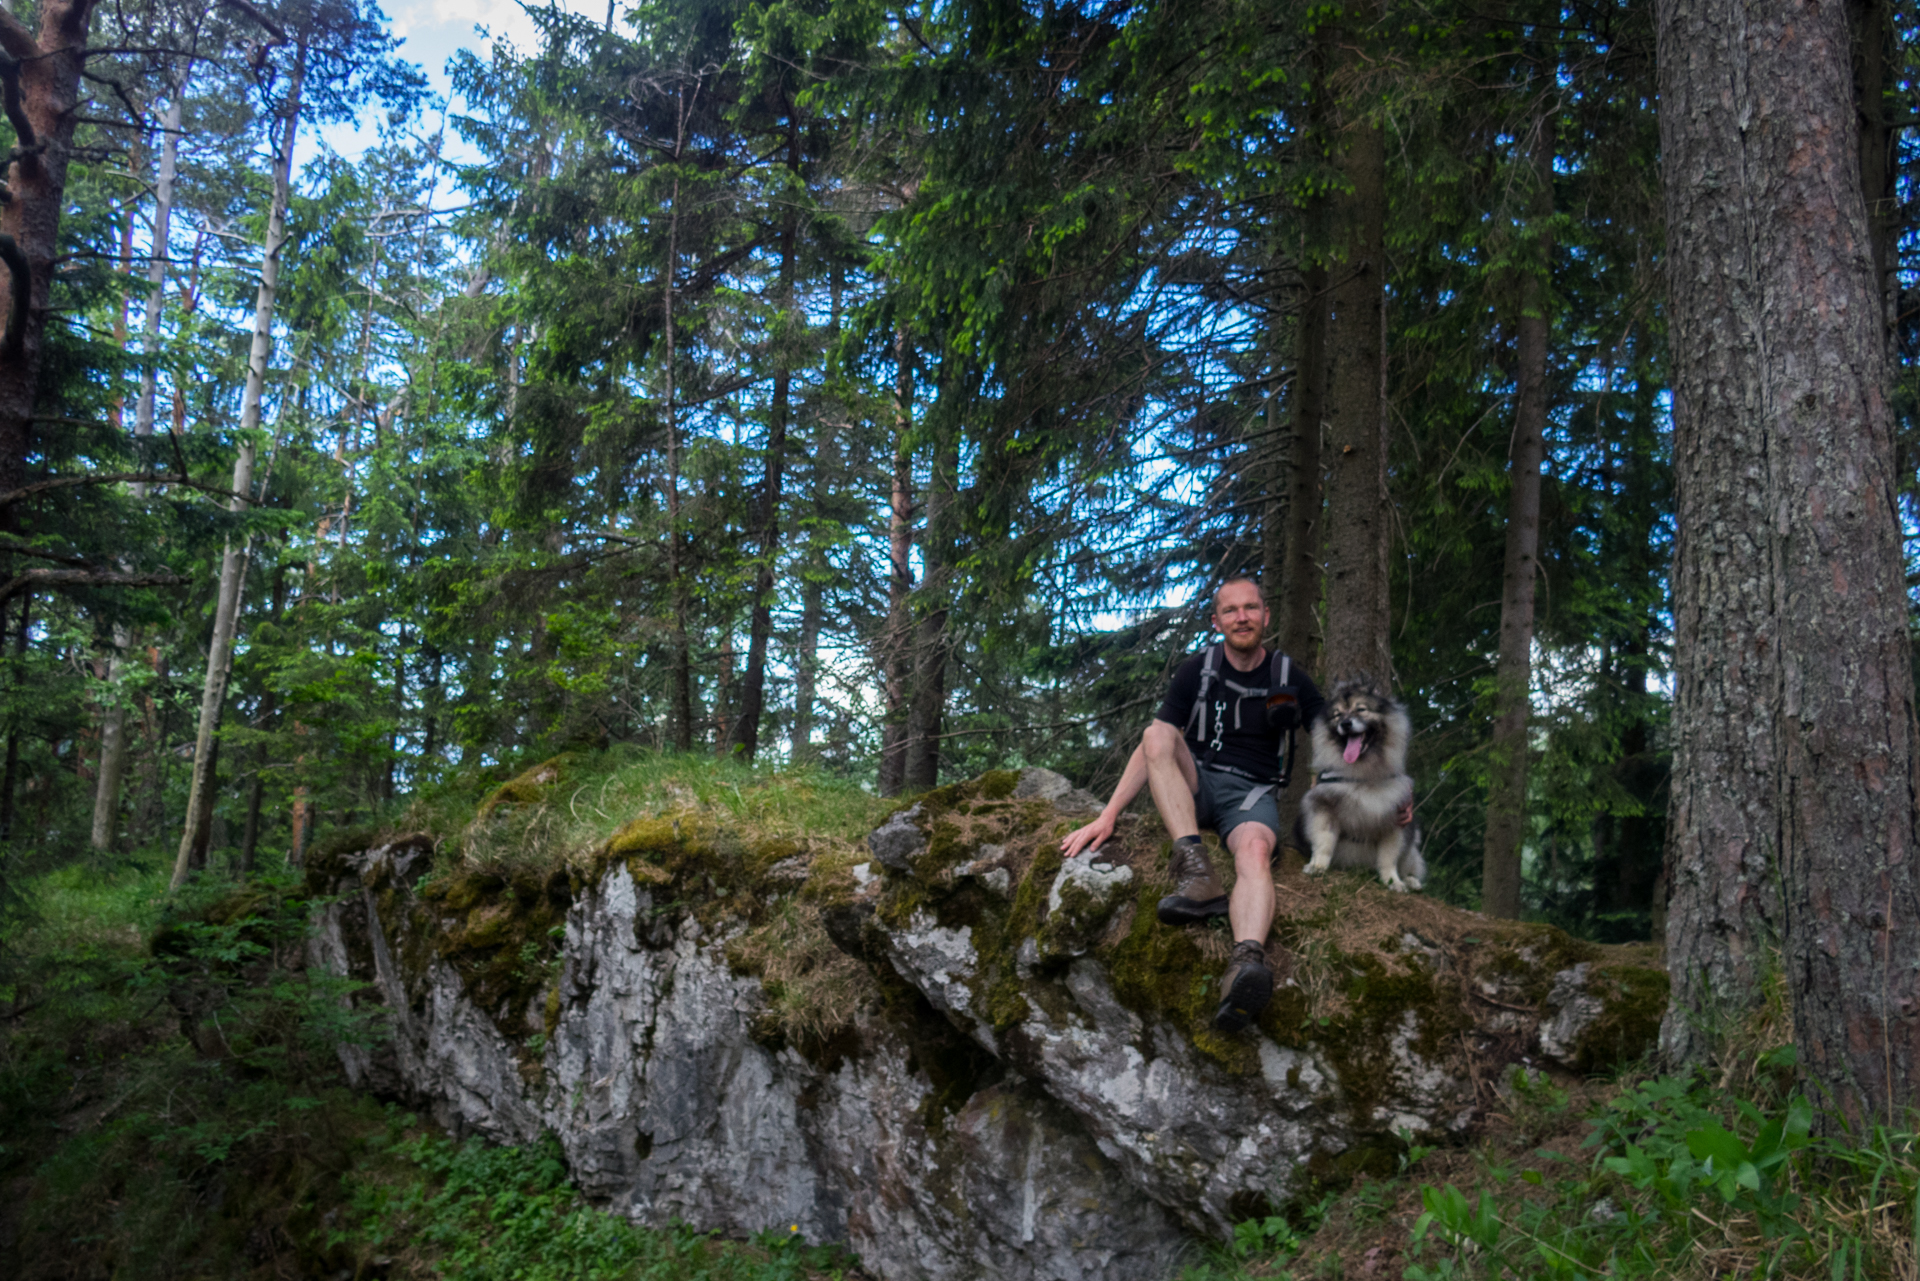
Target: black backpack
(1282, 701)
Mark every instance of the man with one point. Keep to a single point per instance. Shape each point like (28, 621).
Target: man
(1212, 758)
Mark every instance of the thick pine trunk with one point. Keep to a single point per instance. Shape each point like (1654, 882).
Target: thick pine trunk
(47, 70)
(1357, 513)
(1794, 730)
(233, 562)
(1513, 678)
(1874, 55)
(896, 644)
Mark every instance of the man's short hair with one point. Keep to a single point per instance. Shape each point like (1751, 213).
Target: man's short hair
(1237, 578)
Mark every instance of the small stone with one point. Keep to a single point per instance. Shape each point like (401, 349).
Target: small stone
(1045, 785)
(898, 841)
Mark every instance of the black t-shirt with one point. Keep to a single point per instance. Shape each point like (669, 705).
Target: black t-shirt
(1249, 740)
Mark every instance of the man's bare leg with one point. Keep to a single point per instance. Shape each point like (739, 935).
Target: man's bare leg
(1251, 911)
(1198, 896)
(1247, 985)
(1172, 778)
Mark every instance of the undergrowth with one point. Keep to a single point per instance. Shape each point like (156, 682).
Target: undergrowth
(471, 1212)
(172, 1105)
(1663, 1177)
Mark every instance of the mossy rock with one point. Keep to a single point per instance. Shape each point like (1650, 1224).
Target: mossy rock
(1633, 1000)
(501, 932)
(529, 787)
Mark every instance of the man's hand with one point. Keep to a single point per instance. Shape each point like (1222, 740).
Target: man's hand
(1406, 812)
(1088, 838)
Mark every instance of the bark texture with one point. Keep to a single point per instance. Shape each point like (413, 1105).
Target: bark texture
(1794, 725)
(1357, 511)
(1513, 679)
(46, 69)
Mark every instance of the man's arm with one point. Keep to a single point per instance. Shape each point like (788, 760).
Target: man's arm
(1094, 834)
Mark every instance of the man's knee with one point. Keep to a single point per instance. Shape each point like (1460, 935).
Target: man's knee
(1253, 844)
(1162, 742)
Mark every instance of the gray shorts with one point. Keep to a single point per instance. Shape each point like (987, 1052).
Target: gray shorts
(1225, 801)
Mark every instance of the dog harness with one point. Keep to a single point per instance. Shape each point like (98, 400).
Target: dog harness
(1279, 693)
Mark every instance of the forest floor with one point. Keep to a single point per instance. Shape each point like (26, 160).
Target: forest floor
(171, 1105)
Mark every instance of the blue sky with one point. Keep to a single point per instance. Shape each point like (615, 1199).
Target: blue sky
(434, 29)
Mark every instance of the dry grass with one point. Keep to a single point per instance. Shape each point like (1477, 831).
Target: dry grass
(814, 991)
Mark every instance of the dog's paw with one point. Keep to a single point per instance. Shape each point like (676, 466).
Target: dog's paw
(1317, 868)
(1411, 883)
(1394, 883)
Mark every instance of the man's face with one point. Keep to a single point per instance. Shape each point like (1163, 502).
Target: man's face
(1240, 616)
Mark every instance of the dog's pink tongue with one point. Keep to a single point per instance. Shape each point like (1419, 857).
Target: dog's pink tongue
(1352, 750)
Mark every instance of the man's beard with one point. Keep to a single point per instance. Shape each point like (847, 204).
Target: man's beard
(1252, 646)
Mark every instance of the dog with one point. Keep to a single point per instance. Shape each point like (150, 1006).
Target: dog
(1350, 817)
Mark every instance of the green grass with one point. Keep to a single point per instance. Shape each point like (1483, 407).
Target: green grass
(591, 796)
(1663, 1177)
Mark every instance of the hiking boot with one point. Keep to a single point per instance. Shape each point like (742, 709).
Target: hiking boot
(1246, 987)
(1197, 892)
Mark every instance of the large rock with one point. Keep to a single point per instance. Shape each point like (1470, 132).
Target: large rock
(959, 1054)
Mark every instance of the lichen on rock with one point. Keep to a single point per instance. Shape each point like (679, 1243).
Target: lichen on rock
(952, 1047)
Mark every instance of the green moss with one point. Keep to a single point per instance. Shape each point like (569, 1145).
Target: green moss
(501, 936)
(1158, 970)
(529, 787)
(1358, 1041)
(1526, 957)
(1633, 1000)
(997, 785)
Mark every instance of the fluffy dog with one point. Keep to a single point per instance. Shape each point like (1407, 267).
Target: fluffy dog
(1349, 818)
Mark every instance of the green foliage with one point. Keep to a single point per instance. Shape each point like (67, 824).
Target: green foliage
(1678, 1168)
(484, 1213)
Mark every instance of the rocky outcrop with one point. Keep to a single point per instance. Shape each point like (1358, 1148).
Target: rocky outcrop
(953, 1050)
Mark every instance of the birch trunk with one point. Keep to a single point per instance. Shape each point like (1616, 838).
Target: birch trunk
(233, 562)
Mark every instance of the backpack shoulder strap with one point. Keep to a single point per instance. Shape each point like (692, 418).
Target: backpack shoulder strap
(1197, 721)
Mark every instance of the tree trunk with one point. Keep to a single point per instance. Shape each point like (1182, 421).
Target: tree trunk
(1793, 724)
(233, 562)
(46, 73)
(745, 739)
(10, 773)
(1513, 678)
(157, 264)
(680, 670)
(896, 644)
(113, 749)
(1874, 53)
(928, 703)
(806, 665)
(1357, 512)
(113, 728)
